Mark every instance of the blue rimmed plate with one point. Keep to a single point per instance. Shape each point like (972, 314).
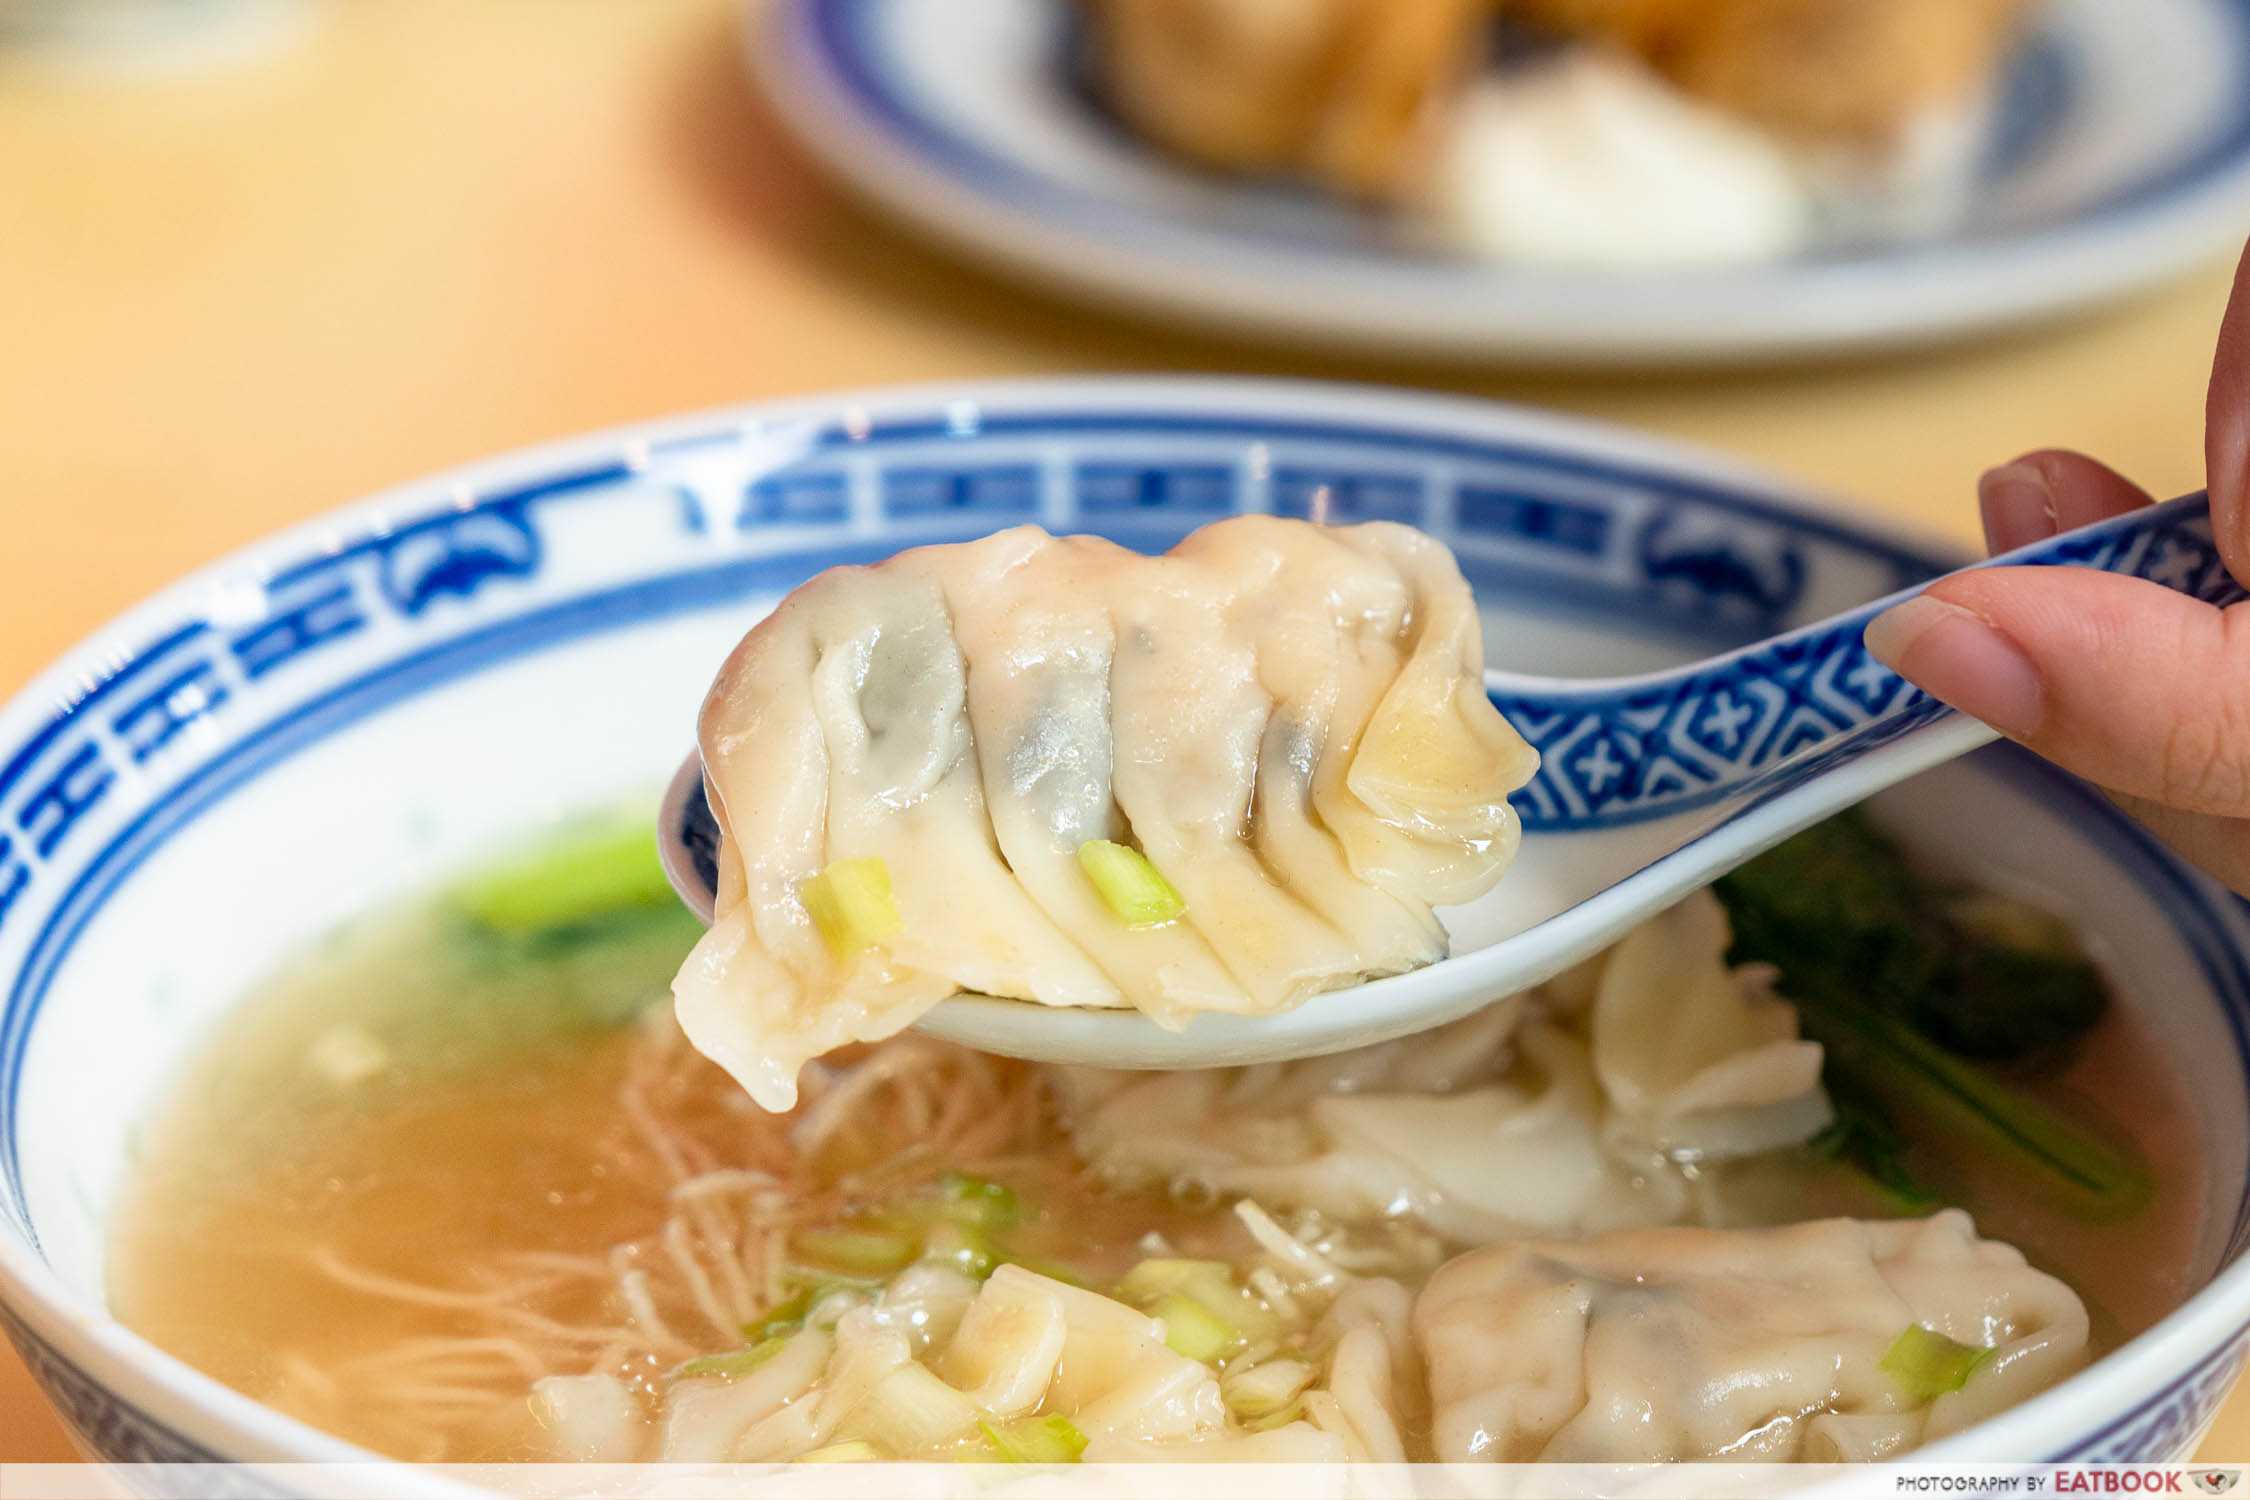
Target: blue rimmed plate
(2121, 154)
(366, 705)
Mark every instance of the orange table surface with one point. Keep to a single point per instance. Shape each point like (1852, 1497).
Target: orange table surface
(417, 232)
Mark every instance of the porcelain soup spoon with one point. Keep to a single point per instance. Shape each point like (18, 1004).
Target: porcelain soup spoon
(1649, 787)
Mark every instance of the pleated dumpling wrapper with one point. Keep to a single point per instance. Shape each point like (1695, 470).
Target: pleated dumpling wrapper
(1054, 770)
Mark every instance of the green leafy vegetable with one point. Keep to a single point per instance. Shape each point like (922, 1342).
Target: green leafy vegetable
(1882, 1056)
(1926, 1364)
(2019, 987)
(1034, 1440)
(1897, 978)
(1134, 890)
(581, 876)
(1839, 912)
(1862, 1134)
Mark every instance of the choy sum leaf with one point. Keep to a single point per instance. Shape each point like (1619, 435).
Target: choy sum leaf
(2090, 1175)
(1911, 988)
(584, 874)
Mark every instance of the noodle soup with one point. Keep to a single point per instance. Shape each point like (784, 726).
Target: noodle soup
(457, 1189)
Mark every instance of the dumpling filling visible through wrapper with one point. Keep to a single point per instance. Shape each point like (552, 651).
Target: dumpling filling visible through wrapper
(1286, 721)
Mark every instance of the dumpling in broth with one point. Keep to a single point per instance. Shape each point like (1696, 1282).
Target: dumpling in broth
(1287, 722)
(1575, 1108)
(1667, 1344)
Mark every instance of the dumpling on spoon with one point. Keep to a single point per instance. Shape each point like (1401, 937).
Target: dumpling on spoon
(1054, 770)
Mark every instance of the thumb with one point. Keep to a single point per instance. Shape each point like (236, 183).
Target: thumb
(2128, 684)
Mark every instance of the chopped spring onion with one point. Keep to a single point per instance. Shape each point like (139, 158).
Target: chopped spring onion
(856, 1252)
(1927, 1364)
(1208, 1283)
(1194, 1330)
(1133, 888)
(583, 874)
(857, 1451)
(1282, 1418)
(851, 903)
(962, 1246)
(974, 1200)
(734, 1362)
(1034, 1440)
(833, 1296)
(912, 1411)
(1266, 1389)
(785, 1316)
(1151, 1279)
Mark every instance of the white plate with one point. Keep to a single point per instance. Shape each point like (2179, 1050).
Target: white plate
(2121, 155)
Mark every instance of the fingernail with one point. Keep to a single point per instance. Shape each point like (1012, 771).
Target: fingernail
(1957, 658)
(2018, 507)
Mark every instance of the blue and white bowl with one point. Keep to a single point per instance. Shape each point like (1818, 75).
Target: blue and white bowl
(363, 705)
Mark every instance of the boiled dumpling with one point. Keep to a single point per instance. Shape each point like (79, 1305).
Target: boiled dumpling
(1507, 1122)
(1666, 1344)
(1479, 1130)
(1285, 722)
(1699, 1062)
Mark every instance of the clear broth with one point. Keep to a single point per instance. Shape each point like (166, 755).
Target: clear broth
(476, 1117)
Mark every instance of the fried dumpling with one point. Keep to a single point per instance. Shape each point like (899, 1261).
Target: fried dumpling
(1280, 729)
(1348, 92)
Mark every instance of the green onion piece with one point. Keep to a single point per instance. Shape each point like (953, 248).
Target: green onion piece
(1151, 1279)
(1133, 888)
(856, 1252)
(785, 1316)
(851, 903)
(858, 1451)
(827, 1279)
(962, 1246)
(1034, 1440)
(1208, 1283)
(734, 1362)
(912, 1411)
(973, 1200)
(1281, 1418)
(585, 873)
(1927, 1364)
(1194, 1330)
(1263, 1390)
(829, 1294)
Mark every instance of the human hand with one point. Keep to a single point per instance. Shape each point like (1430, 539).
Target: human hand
(2143, 691)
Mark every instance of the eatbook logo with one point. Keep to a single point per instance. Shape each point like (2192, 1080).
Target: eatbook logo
(2214, 1481)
